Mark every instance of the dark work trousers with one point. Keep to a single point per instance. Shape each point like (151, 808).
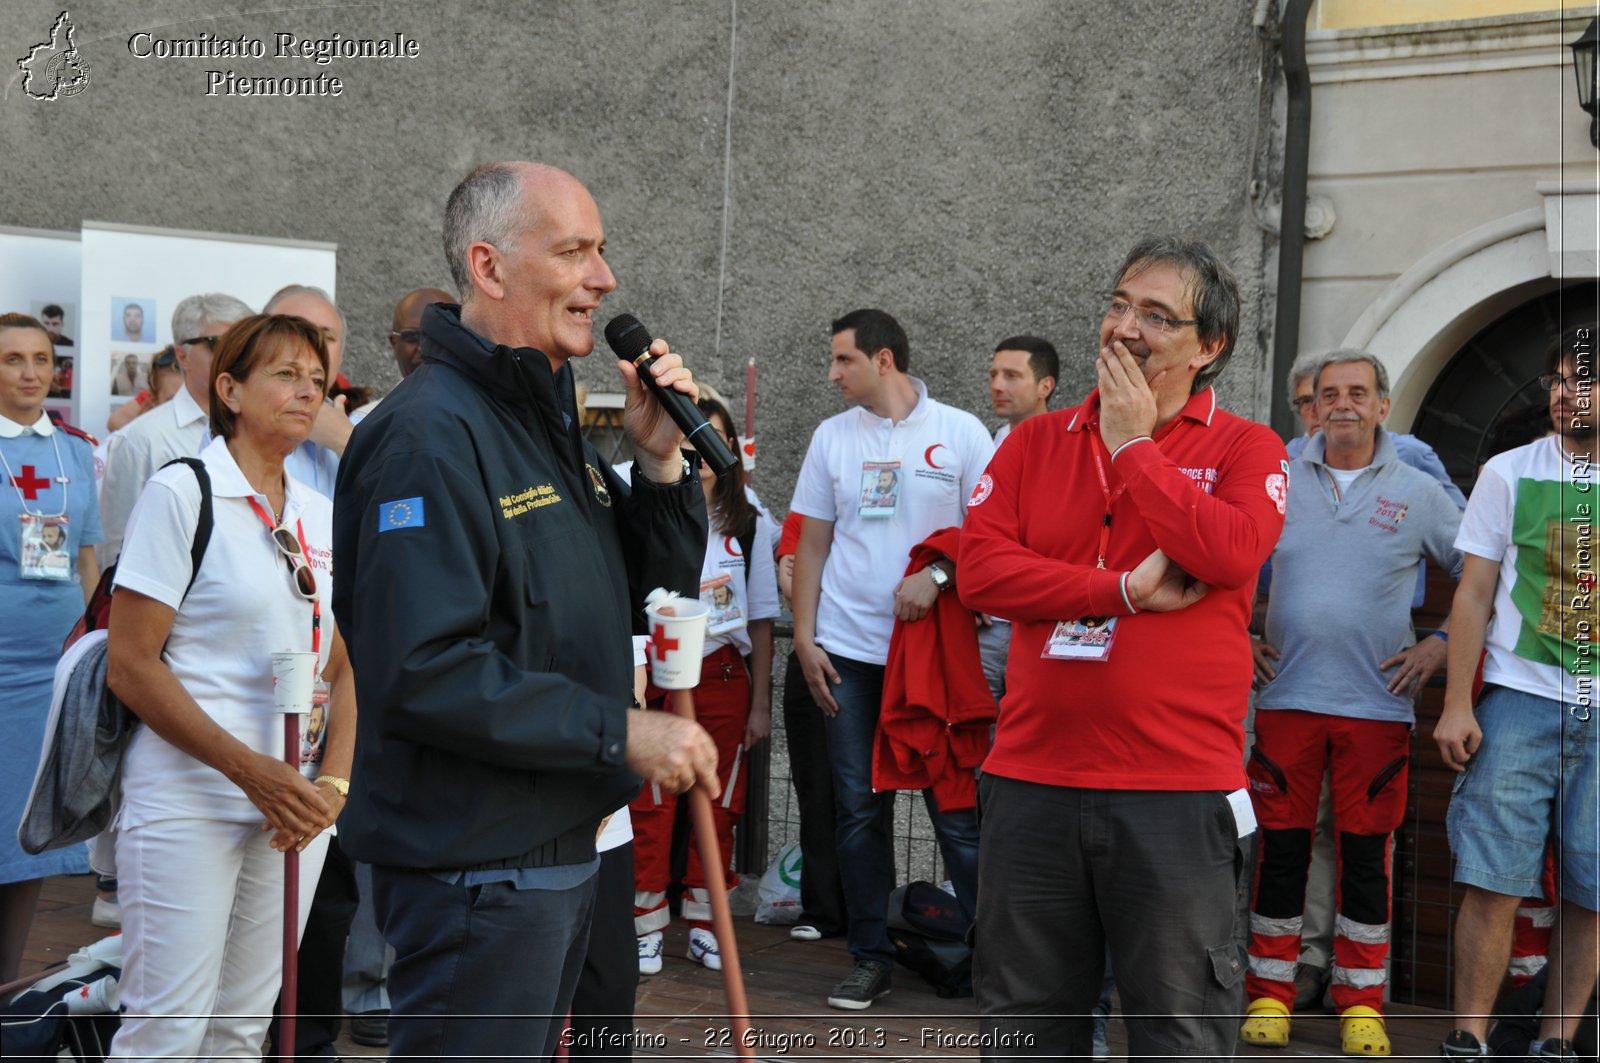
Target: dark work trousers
(821, 893)
(602, 1007)
(319, 1004)
(479, 972)
(1066, 872)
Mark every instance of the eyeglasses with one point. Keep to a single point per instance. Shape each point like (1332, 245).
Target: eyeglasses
(1552, 381)
(1303, 401)
(1117, 307)
(305, 584)
(166, 359)
(411, 337)
(209, 341)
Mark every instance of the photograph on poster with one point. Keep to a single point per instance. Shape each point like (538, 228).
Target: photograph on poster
(133, 320)
(58, 318)
(128, 372)
(61, 381)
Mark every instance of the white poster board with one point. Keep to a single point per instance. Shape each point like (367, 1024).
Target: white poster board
(134, 276)
(41, 269)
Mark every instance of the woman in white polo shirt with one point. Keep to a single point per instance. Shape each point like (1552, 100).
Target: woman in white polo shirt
(732, 703)
(208, 804)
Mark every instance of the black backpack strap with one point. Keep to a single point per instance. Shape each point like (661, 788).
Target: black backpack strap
(202, 530)
(747, 542)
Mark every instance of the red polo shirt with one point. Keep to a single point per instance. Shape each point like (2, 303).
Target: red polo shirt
(1166, 710)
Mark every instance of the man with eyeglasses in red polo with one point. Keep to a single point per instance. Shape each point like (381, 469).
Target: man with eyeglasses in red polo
(1113, 800)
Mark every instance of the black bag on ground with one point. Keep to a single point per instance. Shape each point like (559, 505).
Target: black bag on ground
(1517, 1021)
(36, 1025)
(930, 937)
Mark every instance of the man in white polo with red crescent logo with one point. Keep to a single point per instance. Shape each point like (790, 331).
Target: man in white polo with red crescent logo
(1123, 538)
(877, 480)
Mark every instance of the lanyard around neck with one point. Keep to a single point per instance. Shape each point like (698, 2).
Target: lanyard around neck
(305, 554)
(1095, 447)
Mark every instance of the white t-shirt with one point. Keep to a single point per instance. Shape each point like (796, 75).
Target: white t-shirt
(936, 455)
(734, 599)
(1343, 478)
(1001, 433)
(1537, 494)
(242, 608)
(776, 526)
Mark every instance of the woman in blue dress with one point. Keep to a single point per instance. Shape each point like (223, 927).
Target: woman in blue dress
(49, 523)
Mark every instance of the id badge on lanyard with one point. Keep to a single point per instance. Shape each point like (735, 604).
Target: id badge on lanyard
(43, 554)
(722, 598)
(314, 730)
(880, 488)
(1088, 638)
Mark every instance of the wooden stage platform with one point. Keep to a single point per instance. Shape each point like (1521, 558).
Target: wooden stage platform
(679, 1011)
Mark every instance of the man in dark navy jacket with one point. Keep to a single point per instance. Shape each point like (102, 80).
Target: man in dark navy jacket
(491, 573)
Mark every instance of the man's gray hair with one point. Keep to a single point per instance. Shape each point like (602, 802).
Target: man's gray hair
(291, 290)
(488, 206)
(1304, 368)
(192, 314)
(1350, 354)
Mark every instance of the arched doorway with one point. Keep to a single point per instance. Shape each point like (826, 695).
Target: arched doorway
(1486, 398)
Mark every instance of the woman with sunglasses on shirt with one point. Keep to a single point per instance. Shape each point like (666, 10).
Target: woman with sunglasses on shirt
(49, 521)
(208, 804)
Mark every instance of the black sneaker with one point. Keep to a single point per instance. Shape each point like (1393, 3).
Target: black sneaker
(370, 1028)
(866, 983)
(1552, 1048)
(1462, 1045)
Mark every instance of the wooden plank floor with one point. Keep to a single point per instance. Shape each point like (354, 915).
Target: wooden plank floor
(680, 1012)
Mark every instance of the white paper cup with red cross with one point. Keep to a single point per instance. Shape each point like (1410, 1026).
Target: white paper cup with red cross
(294, 676)
(677, 638)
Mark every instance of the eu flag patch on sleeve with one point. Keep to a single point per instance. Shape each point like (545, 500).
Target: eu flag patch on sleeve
(401, 513)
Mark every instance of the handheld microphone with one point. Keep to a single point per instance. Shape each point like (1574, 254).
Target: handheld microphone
(630, 341)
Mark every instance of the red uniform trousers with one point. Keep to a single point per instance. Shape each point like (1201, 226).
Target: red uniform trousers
(1368, 761)
(722, 706)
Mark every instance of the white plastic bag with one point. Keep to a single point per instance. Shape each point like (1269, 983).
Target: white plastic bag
(778, 895)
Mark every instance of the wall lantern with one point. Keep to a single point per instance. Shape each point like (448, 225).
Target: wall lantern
(1583, 64)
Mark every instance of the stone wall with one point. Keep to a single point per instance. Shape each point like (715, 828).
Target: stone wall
(975, 169)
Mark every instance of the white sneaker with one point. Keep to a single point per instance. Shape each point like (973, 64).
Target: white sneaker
(650, 946)
(703, 948)
(106, 912)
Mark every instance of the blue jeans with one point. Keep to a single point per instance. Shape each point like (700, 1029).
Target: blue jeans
(1535, 775)
(366, 955)
(865, 818)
